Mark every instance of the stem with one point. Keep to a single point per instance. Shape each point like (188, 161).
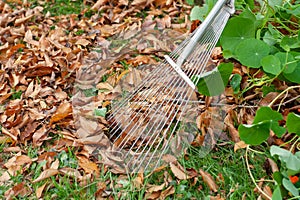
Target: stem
(294, 144)
(251, 176)
(284, 91)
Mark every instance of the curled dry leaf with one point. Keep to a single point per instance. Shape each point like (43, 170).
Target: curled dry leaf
(208, 179)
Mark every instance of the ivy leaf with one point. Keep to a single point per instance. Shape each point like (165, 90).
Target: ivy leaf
(100, 112)
(293, 123)
(255, 134)
(266, 113)
(271, 64)
(236, 30)
(250, 52)
(235, 83)
(215, 82)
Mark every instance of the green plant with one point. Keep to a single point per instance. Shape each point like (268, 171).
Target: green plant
(257, 40)
(288, 177)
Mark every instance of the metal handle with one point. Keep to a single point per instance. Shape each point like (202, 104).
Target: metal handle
(200, 31)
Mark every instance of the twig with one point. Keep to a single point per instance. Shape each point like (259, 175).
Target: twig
(251, 176)
(284, 91)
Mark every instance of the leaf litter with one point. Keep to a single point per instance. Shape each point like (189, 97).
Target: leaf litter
(42, 56)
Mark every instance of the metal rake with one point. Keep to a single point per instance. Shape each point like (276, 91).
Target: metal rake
(145, 124)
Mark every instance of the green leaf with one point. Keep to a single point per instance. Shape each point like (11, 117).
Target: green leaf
(292, 161)
(214, 82)
(100, 112)
(288, 62)
(295, 76)
(275, 3)
(235, 83)
(277, 193)
(290, 187)
(288, 43)
(199, 13)
(267, 89)
(250, 52)
(293, 123)
(266, 113)
(272, 36)
(255, 134)
(271, 64)
(190, 2)
(236, 30)
(277, 176)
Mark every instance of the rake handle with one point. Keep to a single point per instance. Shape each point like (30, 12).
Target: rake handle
(200, 31)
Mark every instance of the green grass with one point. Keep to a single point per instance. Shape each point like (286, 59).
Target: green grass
(220, 161)
(231, 165)
(60, 7)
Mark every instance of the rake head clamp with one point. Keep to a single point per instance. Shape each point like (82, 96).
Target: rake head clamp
(148, 123)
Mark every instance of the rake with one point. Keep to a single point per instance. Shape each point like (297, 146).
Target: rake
(146, 124)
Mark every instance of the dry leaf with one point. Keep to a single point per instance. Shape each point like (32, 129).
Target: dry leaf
(180, 174)
(209, 181)
(88, 166)
(46, 174)
(268, 192)
(39, 191)
(240, 145)
(64, 110)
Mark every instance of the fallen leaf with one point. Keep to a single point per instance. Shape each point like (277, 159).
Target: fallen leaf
(88, 166)
(46, 174)
(267, 190)
(180, 174)
(39, 191)
(239, 145)
(64, 110)
(209, 181)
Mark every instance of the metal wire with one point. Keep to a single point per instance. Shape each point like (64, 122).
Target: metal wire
(165, 94)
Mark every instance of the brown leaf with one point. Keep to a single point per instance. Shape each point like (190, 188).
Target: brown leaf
(167, 192)
(138, 181)
(179, 173)
(240, 145)
(156, 188)
(83, 42)
(208, 179)
(38, 136)
(98, 4)
(268, 192)
(71, 172)
(88, 166)
(46, 174)
(64, 110)
(273, 165)
(19, 189)
(39, 191)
